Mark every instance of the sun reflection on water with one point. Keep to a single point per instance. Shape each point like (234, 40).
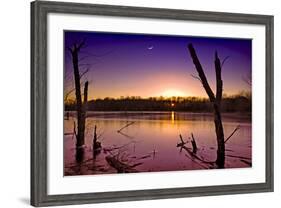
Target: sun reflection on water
(173, 117)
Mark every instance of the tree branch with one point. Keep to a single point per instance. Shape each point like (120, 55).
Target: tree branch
(81, 44)
(248, 80)
(85, 72)
(70, 49)
(195, 77)
(68, 93)
(224, 60)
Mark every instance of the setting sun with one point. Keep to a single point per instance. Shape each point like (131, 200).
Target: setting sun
(173, 93)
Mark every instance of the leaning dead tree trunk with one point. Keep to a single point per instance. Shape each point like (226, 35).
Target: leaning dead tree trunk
(80, 107)
(215, 100)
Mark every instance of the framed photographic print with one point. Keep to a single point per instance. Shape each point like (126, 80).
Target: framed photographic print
(131, 103)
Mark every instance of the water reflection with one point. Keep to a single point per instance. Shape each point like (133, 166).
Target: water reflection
(173, 117)
(152, 138)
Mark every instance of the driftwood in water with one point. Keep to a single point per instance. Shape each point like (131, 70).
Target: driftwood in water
(198, 159)
(110, 149)
(121, 167)
(246, 162)
(120, 160)
(214, 99)
(182, 142)
(194, 156)
(193, 143)
(144, 157)
(127, 125)
(125, 135)
(232, 134)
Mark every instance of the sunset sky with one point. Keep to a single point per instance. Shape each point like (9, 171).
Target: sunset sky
(155, 65)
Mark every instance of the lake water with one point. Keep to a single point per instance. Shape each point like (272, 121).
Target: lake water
(150, 142)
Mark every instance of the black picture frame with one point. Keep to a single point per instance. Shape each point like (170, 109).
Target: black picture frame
(39, 98)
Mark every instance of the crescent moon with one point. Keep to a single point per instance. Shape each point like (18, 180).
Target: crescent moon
(150, 47)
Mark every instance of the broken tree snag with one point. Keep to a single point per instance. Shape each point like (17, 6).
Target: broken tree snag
(218, 78)
(216, 101)
(95, 137)
(96, 143)
(193, 142)
(86, 94)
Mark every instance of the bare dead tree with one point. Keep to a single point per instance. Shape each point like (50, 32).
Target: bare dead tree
(214, 99)
(80, 106)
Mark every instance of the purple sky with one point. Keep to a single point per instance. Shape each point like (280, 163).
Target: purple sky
(154, 65)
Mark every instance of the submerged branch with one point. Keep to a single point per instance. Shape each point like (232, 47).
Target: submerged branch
(193, 154)
(127, 125)
(246, 162)
(196, 162)
(237, 128)
(125, 135)
(120, 166)
(118, 147)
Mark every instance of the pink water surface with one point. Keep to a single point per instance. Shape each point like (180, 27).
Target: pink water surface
(150, 142)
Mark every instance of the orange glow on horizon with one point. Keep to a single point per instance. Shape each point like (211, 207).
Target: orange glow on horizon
(173, 93)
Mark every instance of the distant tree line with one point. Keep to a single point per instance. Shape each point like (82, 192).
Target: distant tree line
(236, 103)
